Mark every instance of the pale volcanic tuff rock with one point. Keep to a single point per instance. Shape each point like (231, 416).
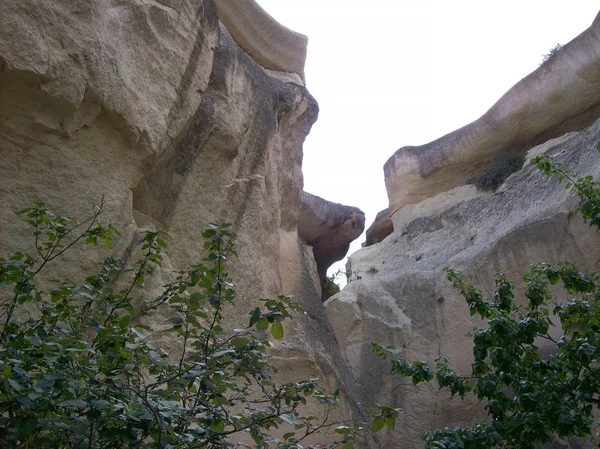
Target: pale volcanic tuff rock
(399, 295)
(155, 107)
(560, 96)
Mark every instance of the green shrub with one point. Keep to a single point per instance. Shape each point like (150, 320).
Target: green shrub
(78, 369)
(329, 287)
(492, 178)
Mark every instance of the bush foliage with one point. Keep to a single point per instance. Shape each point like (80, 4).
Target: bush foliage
(494, 177)
(79, 369)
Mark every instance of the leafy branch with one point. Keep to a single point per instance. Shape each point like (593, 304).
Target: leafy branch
(78, 368)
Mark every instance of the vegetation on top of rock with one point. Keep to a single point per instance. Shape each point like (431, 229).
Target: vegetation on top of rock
(78, 368)
(330, 285)
(493, 177)
(528, 395)
(551, 54)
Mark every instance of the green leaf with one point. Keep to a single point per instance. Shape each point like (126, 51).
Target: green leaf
(287, 436)
(289, 419)
(553, 277)
(390, 421)
(140, 333)
(378, 424)
(255, 317)
(194, 301)
(277, 330)
(155, 358)
(262, 324)
(15, 385)
(124, 322)
(348, 444)
(25, 401)
(101, 404)
(218, 426)
(240, 342)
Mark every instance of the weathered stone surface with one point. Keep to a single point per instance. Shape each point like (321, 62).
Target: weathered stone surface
(153, 106)
(380, 229)
(269, 43)
(562, 95)
(434, 205)
(328, 228)
(398, 293)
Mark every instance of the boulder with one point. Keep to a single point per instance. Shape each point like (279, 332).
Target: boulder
(328, 228)
(380, 229)
(398, 293)
(562, 95)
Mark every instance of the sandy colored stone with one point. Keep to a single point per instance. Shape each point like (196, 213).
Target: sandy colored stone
(399, 295)
(562, 95)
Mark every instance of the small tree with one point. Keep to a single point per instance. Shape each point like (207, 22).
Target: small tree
(330, 286)
(527, 396)
(78, 369)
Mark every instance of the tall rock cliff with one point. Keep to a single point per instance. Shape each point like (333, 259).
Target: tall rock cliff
(398, 293)
(154, 107)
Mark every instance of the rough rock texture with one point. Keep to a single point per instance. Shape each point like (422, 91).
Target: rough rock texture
(434, 205)
(272, 45)
(328, 228)
(154, 106)
(398, 293)
(562, 95)
(380, 229)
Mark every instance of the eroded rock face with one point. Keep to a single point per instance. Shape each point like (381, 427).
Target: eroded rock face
(269, 43)
(380, 229)
(399, 295)
(328, 228)
(562, 95)
(153, 106)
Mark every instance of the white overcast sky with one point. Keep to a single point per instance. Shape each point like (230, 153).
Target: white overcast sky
(390, 73)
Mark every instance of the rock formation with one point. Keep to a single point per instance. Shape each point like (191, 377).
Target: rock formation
(398, 293)
(380, 229)
(153, 106)
(178, 118)
(269, 43)
(562, 95)
(328, 228)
